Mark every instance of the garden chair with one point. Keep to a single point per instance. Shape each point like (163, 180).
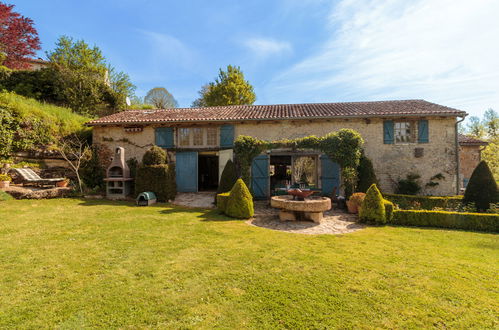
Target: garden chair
(30, 177)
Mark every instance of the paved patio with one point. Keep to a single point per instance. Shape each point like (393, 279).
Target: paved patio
(199, 199)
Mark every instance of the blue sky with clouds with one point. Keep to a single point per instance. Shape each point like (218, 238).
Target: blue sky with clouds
(294, 51)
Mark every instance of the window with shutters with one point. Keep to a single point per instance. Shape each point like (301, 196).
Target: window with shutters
(404, 131)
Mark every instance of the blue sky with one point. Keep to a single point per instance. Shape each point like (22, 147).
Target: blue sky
(294, 51)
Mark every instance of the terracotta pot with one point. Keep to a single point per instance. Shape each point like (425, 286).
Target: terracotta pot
(61, 184)
(4, 184)
(352, 207)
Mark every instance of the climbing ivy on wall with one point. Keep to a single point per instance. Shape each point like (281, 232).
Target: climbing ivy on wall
(343, 147)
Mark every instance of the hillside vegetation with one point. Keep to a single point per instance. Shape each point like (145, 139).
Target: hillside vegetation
(27, 124)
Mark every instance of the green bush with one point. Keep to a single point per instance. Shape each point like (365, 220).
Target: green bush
(407, 202)
(160, 179)
(444, 219)
(389, 208)
(4, 196)
(222, 201)
(154, 156)
(366, 175)
(228, 177)
(482, 188)
(240, 202)
(92, 172)
(373, 210)
(409, 186)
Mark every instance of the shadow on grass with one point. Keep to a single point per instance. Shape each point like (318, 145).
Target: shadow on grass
(163, 208)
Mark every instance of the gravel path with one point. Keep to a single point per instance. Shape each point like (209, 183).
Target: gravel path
(334, 222)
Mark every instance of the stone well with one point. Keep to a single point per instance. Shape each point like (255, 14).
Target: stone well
(309, 209)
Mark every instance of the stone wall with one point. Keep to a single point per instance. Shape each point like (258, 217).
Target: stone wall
(469, 156)
(391, 161)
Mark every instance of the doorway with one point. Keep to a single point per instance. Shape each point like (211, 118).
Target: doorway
(208, 172)
(280, 171)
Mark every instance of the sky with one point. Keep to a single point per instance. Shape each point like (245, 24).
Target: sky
(293, 51)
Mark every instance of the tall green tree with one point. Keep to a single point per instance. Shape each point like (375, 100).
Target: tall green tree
(121, 85)
(229, 88)
(475, 127)
(482, 188)
(161, 98)
(491, 123)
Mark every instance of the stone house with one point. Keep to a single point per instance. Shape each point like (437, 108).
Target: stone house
(470, 150)
(401, 137)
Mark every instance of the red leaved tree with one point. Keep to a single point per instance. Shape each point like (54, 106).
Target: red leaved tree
(18, 38)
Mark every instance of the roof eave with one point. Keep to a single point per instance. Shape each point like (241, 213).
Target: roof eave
(463, 114)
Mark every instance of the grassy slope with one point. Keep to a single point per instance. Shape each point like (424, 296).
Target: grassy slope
(57, 119)
(73, 263)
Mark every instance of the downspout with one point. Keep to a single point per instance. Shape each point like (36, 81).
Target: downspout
(458, 165)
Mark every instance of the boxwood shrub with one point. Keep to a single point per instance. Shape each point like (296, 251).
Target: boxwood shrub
(373, 209)
(444, 219)
(240, 201)
(389, 208)
(406, 202)
(160, 179)
(222, 201)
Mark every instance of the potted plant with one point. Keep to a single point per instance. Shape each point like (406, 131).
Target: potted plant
(5, 180)
(63, 183)
(355, 201)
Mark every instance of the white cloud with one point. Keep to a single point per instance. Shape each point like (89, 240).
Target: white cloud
(265, 47)
(444, 51)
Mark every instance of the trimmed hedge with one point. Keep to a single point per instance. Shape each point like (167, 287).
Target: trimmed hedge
(160, 179)
(424, 202)
(373, 209)
(444, 219)
(154, 156)
(482, 188)
(240, 201)
(389, 208)
(222, 201)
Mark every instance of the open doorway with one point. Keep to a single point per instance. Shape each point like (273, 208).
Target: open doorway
(207, 172)
(280, 171)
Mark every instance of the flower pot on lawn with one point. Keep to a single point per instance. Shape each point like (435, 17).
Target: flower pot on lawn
(352, 207)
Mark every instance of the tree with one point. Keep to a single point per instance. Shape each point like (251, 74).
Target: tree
(229, 88)
(491, 123)
(74, 149)
(200, 101)
(482, 188)
(491, 155)
(18, 37)
(366, 174)
(475, 127)
(161, 98)
(121, 85)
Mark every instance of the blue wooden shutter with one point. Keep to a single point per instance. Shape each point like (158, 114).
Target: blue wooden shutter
(388, 132)
(423, 136)
(164, 137)
(260, 177)
(226, 136)
(330, 175)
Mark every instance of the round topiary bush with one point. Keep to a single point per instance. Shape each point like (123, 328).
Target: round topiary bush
(366, 175)
(154, 156)
(240, 202)
(373, 208)
(482, 188)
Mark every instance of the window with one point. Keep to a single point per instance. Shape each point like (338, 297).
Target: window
(184, 137)
(211, 136)
(305, 170)
(198, 136)
(404, 131)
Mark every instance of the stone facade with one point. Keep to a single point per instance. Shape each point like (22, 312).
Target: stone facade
(391, 161)
(469, 157)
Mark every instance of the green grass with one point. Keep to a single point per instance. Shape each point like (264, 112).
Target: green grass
(77, 263)
(4, 196)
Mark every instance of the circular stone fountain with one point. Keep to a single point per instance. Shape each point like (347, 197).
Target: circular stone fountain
(311, 208)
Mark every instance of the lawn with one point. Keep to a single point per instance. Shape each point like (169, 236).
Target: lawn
(73, 263)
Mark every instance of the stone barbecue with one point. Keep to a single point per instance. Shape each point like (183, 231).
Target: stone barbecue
(118, 180)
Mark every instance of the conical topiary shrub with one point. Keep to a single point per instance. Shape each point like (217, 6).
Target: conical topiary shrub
(373, 209)
(228, 178)
(482, 188)
(240, 202)
(366, 175)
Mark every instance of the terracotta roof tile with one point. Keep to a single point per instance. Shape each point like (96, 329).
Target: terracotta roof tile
(469, 140)
(280, 111)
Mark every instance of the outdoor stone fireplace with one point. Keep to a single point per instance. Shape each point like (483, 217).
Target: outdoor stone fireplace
(118, 180)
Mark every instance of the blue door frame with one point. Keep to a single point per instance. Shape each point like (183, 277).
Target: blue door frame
(186, 169)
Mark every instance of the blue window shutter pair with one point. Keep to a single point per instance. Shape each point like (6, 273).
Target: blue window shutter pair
(226, 136)
(164, 137)
(423, 136)
(388, 132)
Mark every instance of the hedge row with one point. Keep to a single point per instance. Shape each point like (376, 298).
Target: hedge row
(424, 202)
(444, 219)
(160, 179)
